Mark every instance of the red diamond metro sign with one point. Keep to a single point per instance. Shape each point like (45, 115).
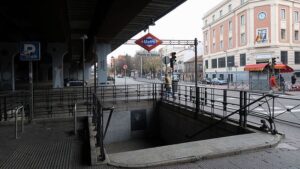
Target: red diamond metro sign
(148, 42)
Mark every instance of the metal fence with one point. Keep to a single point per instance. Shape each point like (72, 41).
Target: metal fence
(49, 103)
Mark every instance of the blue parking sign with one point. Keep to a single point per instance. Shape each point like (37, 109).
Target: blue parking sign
(30, 51)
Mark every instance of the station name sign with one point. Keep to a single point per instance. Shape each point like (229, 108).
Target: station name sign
(148, 42)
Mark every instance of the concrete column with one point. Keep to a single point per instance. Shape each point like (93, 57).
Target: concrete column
(102, 50)
(57, 50)
(7, 70)
(57, 71)
(87, 71)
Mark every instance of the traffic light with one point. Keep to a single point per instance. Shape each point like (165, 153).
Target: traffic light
(173, 54)
(273, 61)
(171, 63)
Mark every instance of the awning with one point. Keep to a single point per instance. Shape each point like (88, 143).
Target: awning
(255, 67)
(283, 68)
(260, 67)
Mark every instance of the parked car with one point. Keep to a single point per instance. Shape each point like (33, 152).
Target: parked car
(119, 76)
(206, 81)
(218, 81)
(110, 80)
(75, 83)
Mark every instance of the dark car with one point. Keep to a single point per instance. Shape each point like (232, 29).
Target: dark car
(110, 80)
(75, 83)
(206, 81)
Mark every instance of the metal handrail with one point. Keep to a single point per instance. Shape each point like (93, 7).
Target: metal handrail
(226, 117)
(16, 120)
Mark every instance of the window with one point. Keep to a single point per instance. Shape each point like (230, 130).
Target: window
(283, 55)
(221, 30)
(282, 32)
(221, 44)
(205, 36)
(206, 64)
(205, 22)
(243, 39)
(296, 16)
(230, 42)
(214, 46)
(221, 13)
(230, 25)
(282, 14)
(242, 2)
(242, 19)
(213, 18)
(214, 33)
(206, 48)
(214, 76)
(230, 61)
(261, 36)
(297, 57)
(229, 7)
(221, 77)
(242, 59)
(214, 63)
(221, 62)
(296, 36)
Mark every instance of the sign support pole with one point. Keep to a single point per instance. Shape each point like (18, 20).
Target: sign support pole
(125, 77)
(196, 79)
(31, 90)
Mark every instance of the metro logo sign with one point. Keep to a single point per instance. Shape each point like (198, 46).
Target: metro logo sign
(148, 42)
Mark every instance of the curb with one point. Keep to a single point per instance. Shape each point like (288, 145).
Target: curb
(212, 155)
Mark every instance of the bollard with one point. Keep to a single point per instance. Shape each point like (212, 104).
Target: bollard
(22, 119)
(16, 124)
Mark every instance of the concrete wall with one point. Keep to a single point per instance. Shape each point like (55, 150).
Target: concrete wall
(126, 124)
(175, 124)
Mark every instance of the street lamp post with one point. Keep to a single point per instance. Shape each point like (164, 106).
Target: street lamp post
(113, 68)
(84, 37)
(235, 75)
(141, 66)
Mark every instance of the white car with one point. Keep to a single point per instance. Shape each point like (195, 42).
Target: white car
(218, 81)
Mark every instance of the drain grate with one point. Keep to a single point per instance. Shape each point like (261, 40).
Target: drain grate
(54, 155)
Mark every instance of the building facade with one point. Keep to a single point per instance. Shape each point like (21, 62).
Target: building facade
(189, 69)
(242, 32)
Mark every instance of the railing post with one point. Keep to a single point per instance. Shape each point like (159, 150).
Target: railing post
(22, 119)
(224, 102)
(75, 119)
(191, 93)
(245, 112)
(0, 109)
(161, 91)
(197, 102)
(5, 109)
(205, 96)
(240, 111)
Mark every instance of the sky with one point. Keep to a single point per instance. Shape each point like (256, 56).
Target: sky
(183, 23)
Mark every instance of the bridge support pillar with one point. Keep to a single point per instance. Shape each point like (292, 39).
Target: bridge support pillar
(57, 50)
(87, 71)
(102, 50)
(7, 70)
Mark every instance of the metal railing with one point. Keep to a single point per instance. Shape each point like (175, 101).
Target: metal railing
(98, 121)
(218, 103)
(209, 100)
